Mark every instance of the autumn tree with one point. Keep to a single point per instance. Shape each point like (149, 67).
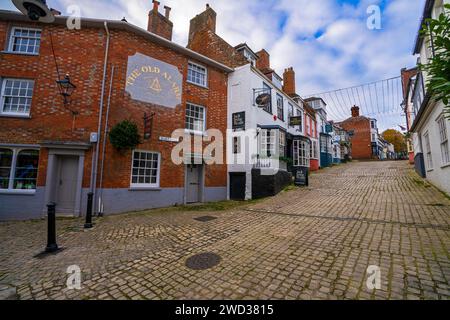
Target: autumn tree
(396, 138)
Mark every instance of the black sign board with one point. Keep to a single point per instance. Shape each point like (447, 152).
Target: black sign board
(238, 119)
(301, 176)
(295, 121)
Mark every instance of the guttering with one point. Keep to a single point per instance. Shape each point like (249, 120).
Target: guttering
(94, 170)
(121, 25)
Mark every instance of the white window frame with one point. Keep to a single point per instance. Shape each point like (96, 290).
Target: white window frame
(11, 41)
(282, 143)
(204, 119)
(2, 98)
(12, 171)
(268, 143)
(204, 85)
(428, 153)
(443, 140)
(280, 99)
(158, 171)
(299, 113)
(301, 156)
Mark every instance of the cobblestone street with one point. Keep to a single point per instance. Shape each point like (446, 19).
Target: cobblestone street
(309, 243)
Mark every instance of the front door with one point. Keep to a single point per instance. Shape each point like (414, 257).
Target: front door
(237, 186)
(193, 181)
(66, 184)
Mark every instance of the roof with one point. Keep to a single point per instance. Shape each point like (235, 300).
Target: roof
(245, 45)
(8, 15)
(429, 4)
(315, 98)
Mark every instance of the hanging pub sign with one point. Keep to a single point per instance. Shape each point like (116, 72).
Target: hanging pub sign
(238, 120)
(148, 125)
(153, 81)
(301, 176)
(295, 121)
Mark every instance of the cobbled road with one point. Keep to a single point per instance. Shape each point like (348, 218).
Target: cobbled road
(307, 243)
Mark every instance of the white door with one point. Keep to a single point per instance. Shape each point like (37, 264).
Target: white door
(193, 180)
(66, 184)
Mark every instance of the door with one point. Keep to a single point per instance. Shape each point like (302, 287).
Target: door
(66, 184)
(237, 186)
(193, 181)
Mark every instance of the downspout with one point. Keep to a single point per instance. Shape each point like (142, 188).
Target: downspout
(105, 132)
(93, 187)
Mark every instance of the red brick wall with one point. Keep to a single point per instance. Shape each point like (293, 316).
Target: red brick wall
(80, 53)
(361, 141)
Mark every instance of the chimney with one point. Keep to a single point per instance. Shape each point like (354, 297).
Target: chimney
(203, 21)
(263, 61)
(289, 81)
(159, 24)
(355, 111)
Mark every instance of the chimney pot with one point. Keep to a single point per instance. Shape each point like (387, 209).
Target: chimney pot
(155, 5)
(159, 25)
(355, 111)
(167, 14)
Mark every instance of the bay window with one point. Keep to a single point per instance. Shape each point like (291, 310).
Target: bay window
(301, 153)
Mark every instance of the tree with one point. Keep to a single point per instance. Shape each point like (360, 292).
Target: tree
(438, 67)
(396, 138)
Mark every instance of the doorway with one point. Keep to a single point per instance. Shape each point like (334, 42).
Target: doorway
(194, 183)
(237, 185)
(66, 181)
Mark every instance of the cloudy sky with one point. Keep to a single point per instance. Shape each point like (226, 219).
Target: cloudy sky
(326, 41)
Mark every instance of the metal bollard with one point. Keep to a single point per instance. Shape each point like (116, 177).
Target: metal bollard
(88, 223)
(51, 229)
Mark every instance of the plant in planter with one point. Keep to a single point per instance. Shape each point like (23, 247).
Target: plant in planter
(125, 135)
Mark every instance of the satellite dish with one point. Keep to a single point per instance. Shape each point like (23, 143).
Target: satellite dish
(36, 10)
(263, 100)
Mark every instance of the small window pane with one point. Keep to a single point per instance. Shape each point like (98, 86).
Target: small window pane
(26, 169)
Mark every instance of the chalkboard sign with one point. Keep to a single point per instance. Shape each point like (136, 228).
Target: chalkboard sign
(238, 119)
(301, 176)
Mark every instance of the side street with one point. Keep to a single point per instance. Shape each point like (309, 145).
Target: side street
(309, 243)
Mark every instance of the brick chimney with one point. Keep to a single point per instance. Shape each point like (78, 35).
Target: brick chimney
(159, 24)
(355, 111)
(289, 81)
(203, 21)
(263, 61)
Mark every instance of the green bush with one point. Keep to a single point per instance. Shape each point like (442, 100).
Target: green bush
(125, 135)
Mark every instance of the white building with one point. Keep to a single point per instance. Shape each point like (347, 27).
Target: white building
(429, 126)
(262, 141)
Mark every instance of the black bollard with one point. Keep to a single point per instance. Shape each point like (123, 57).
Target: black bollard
(88, 223)
(51, 229)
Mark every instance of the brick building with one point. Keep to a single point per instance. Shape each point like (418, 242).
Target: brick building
(121, 72)
(360, 130)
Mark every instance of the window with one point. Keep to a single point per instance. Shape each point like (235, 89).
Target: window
(195, 118)
(282, 136)
(25, 40)
(373, 136)
(323, 144)
(267, 143)
(197, 74)
(145, 169)
(372, 124)
(299, 114)
(443, 138)
(428, 151)
(16, 96)
(236, 145)
(307, 122)
(268, 90)
(290, 112)
(280, 107)
(18, 169)
(301, 153)
(313, 150)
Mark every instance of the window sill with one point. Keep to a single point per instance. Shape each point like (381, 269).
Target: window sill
(197, 85)
(20, 53)
(445, 166)
(144, 189)
(5, 115)
(196, 133)
(18, 192)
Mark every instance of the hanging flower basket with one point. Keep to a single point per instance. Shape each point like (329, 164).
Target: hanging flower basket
(125, 135)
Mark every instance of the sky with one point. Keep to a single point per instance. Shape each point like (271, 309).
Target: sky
(326, 41)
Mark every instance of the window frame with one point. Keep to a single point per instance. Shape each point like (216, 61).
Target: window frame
(11, 38)
(204, 119)
(3, 82)
(279, 98)
(443, 140)
(301, 159)
(158, 172)
(269, 88)
(205, 85)
(429, 155)
(12, 171)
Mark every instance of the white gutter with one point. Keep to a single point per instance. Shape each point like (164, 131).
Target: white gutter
(93, 187)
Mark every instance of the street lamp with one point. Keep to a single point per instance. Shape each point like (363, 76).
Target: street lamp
(66, 88)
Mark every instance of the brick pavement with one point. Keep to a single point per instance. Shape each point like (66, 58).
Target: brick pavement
(310, 243)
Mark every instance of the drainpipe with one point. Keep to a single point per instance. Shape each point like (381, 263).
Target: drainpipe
(93, 187)
(105, 132)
